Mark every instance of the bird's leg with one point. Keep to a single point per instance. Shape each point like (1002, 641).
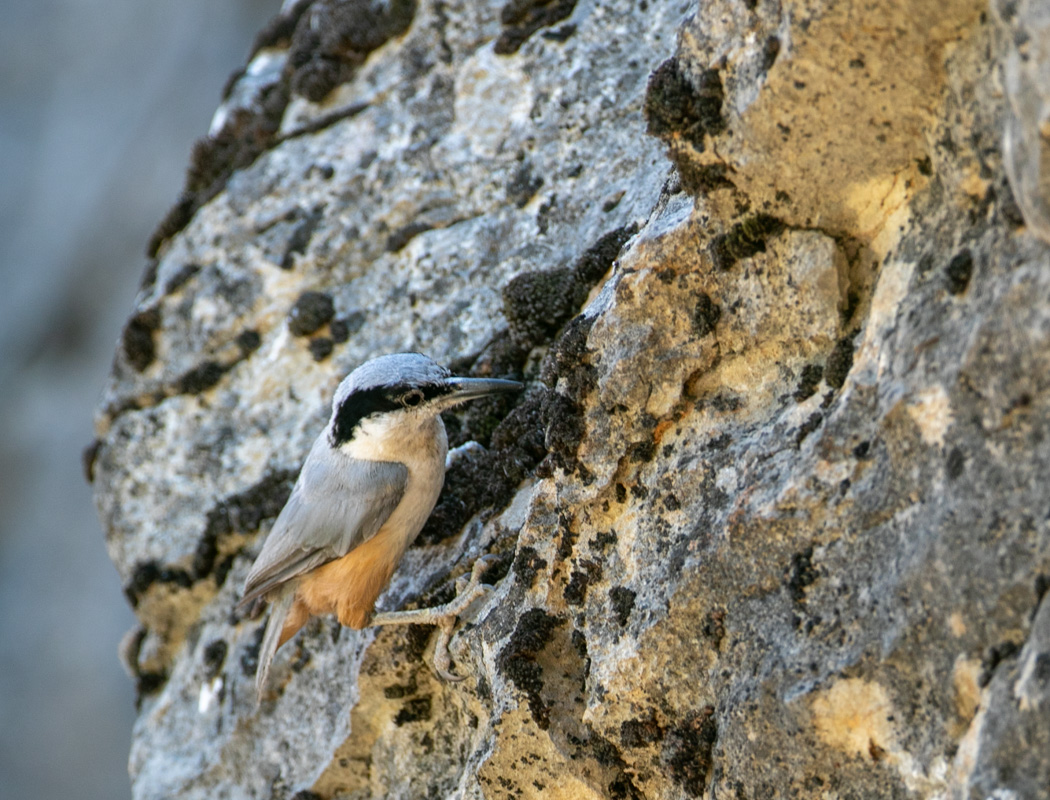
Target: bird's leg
(467, 591)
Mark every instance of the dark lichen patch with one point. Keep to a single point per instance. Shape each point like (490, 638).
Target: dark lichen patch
(527, 565)
(397, 240)
(137, 341)
(537, 304)
(242, 139)
(714, 627)
(564, 426)
(300, 238)
(677, 106)
(214, 657)
(415, 710)
(801, 574)
(567, 359)
(698, 179)
(839, 362)
(243, 512)
(993, 657)
(641, 732)
(250, 657)
(340, 328)
(333, 40)
(311, 311)
(523, 185)
(248, 342)
(596, 259)
(770, 51)
(522, 18)
(958, 272)
(278, 31)
(560, 34)
(744, 240)
(576, 590)
(200, 378)
(398, 691)
(808, 381)
(687, 750)
(622, 601)
(517, 659)
(705, 315)
(181, 278)
(150, 573)
(806, 428)
(321, 347)
(487, 479)
(955, 463)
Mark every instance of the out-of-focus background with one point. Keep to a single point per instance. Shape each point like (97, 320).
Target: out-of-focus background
(99, 106)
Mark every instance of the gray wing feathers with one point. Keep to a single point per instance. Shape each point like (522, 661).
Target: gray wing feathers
(337, 503)
(278, 613)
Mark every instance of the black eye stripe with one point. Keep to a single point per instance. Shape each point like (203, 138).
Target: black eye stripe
(364, 403)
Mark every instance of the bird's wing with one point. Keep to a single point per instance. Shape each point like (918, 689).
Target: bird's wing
(337, 503)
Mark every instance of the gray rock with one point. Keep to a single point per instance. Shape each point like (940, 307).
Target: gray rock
(772, 515)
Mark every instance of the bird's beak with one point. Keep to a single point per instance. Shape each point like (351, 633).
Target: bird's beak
(469, 388)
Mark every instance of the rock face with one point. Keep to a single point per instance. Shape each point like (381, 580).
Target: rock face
(772, 518)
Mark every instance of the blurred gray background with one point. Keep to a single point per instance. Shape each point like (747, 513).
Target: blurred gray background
(100, 103)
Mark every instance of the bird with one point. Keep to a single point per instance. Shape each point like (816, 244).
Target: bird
(366, 488)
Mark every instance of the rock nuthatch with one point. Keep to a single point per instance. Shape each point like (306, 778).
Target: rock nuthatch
(365, 491)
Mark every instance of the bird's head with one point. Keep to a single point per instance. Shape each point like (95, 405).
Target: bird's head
(401, 392)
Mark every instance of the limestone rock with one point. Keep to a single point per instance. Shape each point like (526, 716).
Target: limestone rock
(772, 516)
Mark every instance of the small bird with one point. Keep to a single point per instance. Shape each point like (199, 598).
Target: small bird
(365, 491)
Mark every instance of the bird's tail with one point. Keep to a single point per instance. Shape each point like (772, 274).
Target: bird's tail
(272, 638)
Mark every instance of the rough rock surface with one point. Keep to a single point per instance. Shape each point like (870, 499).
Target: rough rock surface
(773, 515)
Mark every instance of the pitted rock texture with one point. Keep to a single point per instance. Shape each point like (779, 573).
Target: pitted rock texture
(771, 519)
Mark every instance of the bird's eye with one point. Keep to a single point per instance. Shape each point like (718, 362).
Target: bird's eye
(412, 399)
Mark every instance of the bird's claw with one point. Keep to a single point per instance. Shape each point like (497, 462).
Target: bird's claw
(468, 589)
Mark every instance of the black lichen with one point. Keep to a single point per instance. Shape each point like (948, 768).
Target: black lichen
(576, 590)
(300, 238)
(958, 272)
(523, 185)
(705, 315)
(522, 18)
(622, 601)
(248, 342)
(744, 240)
(406, 233)
(808, 381)
(415, 710)
(200, 378)
(243, 512)
(687, 750)
(311, 311)
(801, 574)
(806, 428)
(527, 565)
(181, 278)
(137, 341)
(517, 659)
(675, 105)
(840, 362)
(641, 732)
(150, 573)
(321, 347)
(483, 479)
(214, 656)
(334, 39)
(955, 463)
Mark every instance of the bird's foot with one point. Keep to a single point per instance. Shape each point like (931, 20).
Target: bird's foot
(468, 589)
